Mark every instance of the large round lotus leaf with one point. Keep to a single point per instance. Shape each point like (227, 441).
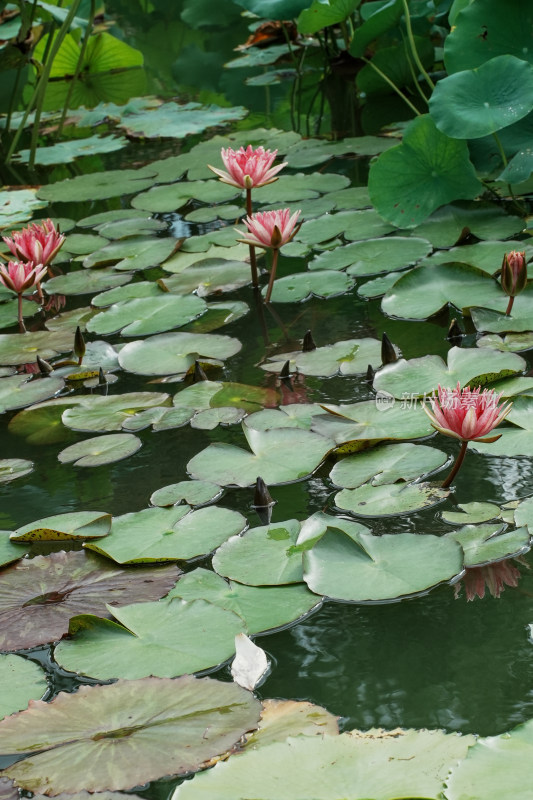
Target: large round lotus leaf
(495, 767)
(374, 255)
(361, 568)
(348, 357)
(389, 499)
(472, 513)
(485, 220)
(375, 24)
(425, 171)
(159, 638)
(100, 450)
(485, 544)
(372, 420)
(98, 185)
(263, 608)
(134, 253)
(84, 282)
(134, 226)
(180, 260)
(424, 291)
(193, 493)
(19, 391)
(23, 348)
(291, 188)
(303, 286)
(294, 415)
(9, 552)
(321, 15)
(18, 206)
(174, 353)
(169, 534)
(516, 440)
(103, 414)
(353, 224)
(353, 766)
(22, 680)
(163, 199)
(179, 121)
(263, 556)
(126, 728)
(482, 32)
(74, 525)
(387, 464)
(418, 377)
(41, 594)
(278, 456)
(519, 167)
(147, 315)
(487, 256)
(82, 243)
(474, 103)
(13, 468)
(42, 424)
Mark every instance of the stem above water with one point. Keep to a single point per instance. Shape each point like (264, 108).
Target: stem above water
(455, 469)
(253, 262)
(275, 253)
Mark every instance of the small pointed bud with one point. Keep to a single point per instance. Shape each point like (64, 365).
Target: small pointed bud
(79, 345)
(370, 374)
(198, 375)
(101, 377)
(44, 367)
(388, 353)
(285, 370)
(455, 334)
(308, 343)
(262, 496)
(248, 182)
(514, 273)
(162, 285)
(276, 238)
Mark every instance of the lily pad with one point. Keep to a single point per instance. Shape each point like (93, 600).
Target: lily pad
(98, 185)
(133, 253)
(303, 286)
(283, 718)
(485, 220)
(353, 224)
(168, 534)
(84, 282)
(486, 543)
(387, 464)
(373, 256)
(22, 348)
(515, 440)
(147, 315)
(193, 493)
(512, 343)
(174, 353)
(353, 426)
(9, 552)
(358, 567)
(77, 525)
(167, 198)
(159, 638)
(41, 424)
(471, 513)
(104, 414)
(228, 465)
(262, 608)
(497, 322)
(348, 357)
(22, 680)
(291, 188)
(100, 450)
(178, 121)
(132, 226)
(41, 594)
(13, 468)
(180, 261)
(79, 727)
(389, 499)
(20, 391)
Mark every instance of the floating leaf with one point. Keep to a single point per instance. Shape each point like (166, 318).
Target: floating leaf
(103, 414)
(471, 513)
(18, 205)
(13, 468)
(348, 357)
(133, 253)
(100, 450)
(22, 680)
(303, 286)
(147, 315)
(9, 552)
(389, 499)
(179, 121)
(98, 185)
(353, 224)
(174, 353)
(19, 391)
(64, 152)
(283, 718)
(42, 424)
(387, 464)
(371, 421)
(485, 544)
(84, 282)
(75, 525)
(22, 348)
(41, 594)
(516, 440)
(79, 727)
(485, 220)
(193, 493)
(373, 256)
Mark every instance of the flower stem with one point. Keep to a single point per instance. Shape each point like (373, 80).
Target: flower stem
(275, 253)
(455, 469)
(253, 262)
(509, 306)
(22, 327)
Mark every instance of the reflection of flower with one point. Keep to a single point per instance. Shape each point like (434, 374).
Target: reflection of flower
(19, 276)
(248, 168)
(271, 229)
(37, 243)
(495, 577)
(466, 414)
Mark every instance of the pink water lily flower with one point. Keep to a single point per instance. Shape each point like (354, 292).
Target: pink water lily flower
(271, 229)
(39, 243)
(248, 168)
(20, 276)
(466, 414)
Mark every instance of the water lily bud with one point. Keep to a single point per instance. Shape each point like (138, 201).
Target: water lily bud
(199, 375)
(388, 353)
(262, 496)
(514, 273)
(285, 370)
(370, 374)
(79, 344)
(308, 343)
(44, 367)
(101, 377)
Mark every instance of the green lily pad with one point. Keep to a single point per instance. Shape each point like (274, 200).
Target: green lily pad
(22, 348)
(104, 414)
(164, 534)
(515, 440)
(9, 552)
(132, 226)
(262, 608)
(98, 185)
(22, 681)
(486, 256)
(209, 419)
(41, 594)
(519, 321)
(229, 213)
(349, 357)
(76, 525)
(353, 426)
(159, 638)
(65, 152)
(179, 121)
(486, 544)
(427, 170)
(173, 353)
(378, 286)
(354, 225)
(222, 237)
(130, 291)
(13, 468)
(311, 152)
(107, 217)
(283, 718)
(84, 282)
(494, 767)
(485, 220)
(512, 343)
(180, 261)
(387, 464)
(78, 728)
(291, 188)
(133, 253)
(294, 415)
(472, 513)
(100, 450)
(218, 315)
(19, 391)
(193, 493)
(468, 366)
(228, 465)
(146, 315)
(41, 424)
(166, 198)
(263, 556)
(82, 243)
(358, 567)
(18, 205)
(373, 256)
(389, 499)
(9, 311)
(303, 286)
(352, 766)
(210, 276)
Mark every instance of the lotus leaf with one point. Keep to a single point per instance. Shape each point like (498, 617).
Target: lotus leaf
(98, 185)
(486, 543)
(387, 464)
(389, 499)
(445, 227)
(373, 256)
(22, 680)
(516, 440)
(147, 315)
(173, 353)
(75, 525)
(13, 468)
(303, 286)
(20, 391)
(23, 348)
(349, 357)
(84, 282)
(353, 224)
(133, 253)
(351, 426)
(100, 450)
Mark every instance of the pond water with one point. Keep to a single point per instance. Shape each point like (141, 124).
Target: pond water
(432, 661)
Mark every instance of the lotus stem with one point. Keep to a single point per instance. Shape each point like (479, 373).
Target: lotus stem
(22, 327)
(275, 253)
(455, 469)
(253, 262)
(509, 306)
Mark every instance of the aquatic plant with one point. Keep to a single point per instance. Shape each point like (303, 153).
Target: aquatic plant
(513, 276)
(19, 276)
